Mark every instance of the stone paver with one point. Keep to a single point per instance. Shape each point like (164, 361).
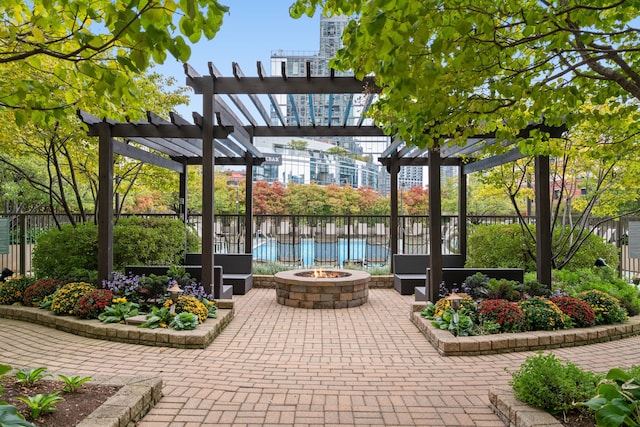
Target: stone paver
(277, 365)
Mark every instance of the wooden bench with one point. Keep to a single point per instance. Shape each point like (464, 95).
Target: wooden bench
(219, 291)
(454, 277)
(236, 269)
(409, 270)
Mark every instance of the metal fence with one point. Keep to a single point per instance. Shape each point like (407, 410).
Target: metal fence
(317, 239)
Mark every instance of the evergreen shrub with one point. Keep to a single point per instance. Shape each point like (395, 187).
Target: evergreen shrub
(136, 241)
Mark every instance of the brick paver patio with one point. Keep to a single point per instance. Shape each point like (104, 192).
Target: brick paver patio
(277, 365)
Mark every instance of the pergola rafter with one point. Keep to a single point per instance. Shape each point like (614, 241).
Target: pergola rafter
(223, 134)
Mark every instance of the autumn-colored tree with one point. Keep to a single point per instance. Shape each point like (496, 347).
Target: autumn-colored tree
(268, 199)
(416, 201)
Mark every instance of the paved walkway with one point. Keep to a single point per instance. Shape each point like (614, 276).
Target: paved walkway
(276, 365)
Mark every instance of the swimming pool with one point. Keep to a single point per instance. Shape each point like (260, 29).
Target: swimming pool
(353, 249)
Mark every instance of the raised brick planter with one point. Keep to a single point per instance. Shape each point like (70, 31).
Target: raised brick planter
(200, 337)
(449, 345)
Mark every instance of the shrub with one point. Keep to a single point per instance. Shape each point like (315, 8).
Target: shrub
(501, 289)
(40, 289)
(65, 298)
(548, 383)
(12, 291)
(606, 307)
(505, 313)
(136, 241)
(505, 245)
(542, 315)
(92, 304)
(190, 304)
(499, 246)
(582, 314)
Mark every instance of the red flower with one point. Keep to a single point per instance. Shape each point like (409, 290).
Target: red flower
(581, 312)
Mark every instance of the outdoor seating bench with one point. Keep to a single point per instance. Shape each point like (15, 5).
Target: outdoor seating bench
(236, 269)
(409, 270)
(219, 291)
(454, 277)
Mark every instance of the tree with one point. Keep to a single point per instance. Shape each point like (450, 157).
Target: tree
(59, 161)
(464, 67)
(56, 54)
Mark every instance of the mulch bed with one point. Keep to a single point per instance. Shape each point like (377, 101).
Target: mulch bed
(75, 407)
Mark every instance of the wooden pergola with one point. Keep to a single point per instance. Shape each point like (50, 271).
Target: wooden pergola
(225, 130)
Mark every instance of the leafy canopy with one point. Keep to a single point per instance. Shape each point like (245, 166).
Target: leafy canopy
(465, 67)
(55, 53)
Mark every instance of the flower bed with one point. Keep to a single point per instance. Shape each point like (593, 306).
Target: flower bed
(449, 345)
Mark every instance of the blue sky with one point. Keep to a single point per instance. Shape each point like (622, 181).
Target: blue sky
(250, 32)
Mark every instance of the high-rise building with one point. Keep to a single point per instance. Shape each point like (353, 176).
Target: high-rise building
(358, 164)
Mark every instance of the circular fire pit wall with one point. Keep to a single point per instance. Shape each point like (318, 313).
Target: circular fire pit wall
(322, 289)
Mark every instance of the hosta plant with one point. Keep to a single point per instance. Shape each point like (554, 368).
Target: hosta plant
(119, 310)
(42, 403)
(91, 305)
(9, 417)
(29, 377)
(617, 401)
(73, 383)
(35, 293)
(158, 318)
(65, 298)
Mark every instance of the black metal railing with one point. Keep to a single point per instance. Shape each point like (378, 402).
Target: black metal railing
(318, 239)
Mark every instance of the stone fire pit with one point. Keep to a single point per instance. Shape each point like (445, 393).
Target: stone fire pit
(322, 288)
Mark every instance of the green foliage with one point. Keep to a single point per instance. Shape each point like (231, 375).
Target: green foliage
(507, 246)
(91, 305)
(95, 48)
(9, 417)
(500, 289)
(29, 377)
(269, 268)
(120, 310)
(617, 400)
(41, 403)
(151, 241)
(136, 241)
(66, 298)
(542, 315)
(73, 383)
(498, 246)
(458, 323)
(40, 289)
(606, 307)
(602, 279)
(184, 321)
(546, 382)
(12, 291)
(158, 318)
(60, 251)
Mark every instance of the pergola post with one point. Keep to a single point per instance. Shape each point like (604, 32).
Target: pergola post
(182, 202)
(435, 226)
(208, 165)
(394, 169)
(105, 202)
(248, 203)
(543, 220)
(462, 212)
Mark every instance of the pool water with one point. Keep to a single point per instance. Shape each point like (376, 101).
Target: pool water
(353, 250)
